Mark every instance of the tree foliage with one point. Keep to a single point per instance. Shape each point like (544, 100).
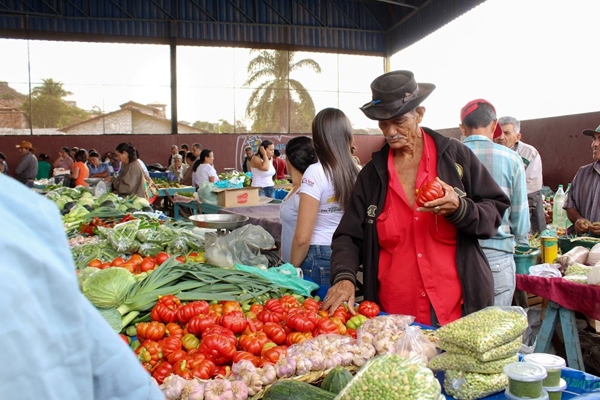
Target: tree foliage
(279, 103)
(47, 108)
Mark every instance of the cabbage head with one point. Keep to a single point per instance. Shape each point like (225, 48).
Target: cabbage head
(108, 287)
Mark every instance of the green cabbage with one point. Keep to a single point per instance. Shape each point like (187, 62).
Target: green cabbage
(86, 273)
(140, 202)
(108, 287)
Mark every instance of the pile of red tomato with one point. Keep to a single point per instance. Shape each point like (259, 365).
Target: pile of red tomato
(137, 264)
(203, 340)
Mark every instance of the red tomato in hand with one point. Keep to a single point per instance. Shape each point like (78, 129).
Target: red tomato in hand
(430, 191)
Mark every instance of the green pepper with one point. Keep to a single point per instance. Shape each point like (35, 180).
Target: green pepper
(356, 321)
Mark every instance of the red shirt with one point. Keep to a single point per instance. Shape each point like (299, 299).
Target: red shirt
(280, 168)
(417, 258)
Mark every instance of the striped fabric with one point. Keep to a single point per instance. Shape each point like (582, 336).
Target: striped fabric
(508, 171)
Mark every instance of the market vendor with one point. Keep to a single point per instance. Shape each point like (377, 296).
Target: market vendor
(131, 177)
(64, 160)
(97, 168)
(421, 261)
(583, 200)
(28, 166)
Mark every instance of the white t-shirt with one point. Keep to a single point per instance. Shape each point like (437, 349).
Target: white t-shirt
(318, 186)
(288, 214)
(262, 178)
(203, 173)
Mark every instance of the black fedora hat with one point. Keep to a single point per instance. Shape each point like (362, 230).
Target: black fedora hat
(394, 94)
(590, 132)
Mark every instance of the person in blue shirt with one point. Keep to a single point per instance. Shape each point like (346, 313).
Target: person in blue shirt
(55, 345)
(97, 168)
(480, 126)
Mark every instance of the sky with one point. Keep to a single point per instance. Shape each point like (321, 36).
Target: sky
(530, 58)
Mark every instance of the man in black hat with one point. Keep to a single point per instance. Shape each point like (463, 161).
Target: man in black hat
(422, 261)
(583, 200)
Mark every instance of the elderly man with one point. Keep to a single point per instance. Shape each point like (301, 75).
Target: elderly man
(583, 200)
(174, 150)
(178, 168)
(28, 165)
(480, 126)
(417, 260)
(196, 149)
(247, 163)
(511, 138)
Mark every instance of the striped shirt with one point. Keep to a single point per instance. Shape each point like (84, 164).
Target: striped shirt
(506, 167)
(584, 195)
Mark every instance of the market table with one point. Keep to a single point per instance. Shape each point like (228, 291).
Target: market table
(565, 298)
(166, 192)
(266, 216)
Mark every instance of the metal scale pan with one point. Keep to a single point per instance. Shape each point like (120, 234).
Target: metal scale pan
(221, 222)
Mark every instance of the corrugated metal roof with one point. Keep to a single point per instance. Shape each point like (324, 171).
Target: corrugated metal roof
(348, 26)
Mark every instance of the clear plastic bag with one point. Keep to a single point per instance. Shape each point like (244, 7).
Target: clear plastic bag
(485, 329)
(470, 386)
(390, 376)
(577, 254)
(123, 236)
(241, 246)
(383, 331)
(415, 344)
(206, 194)
(462, 362)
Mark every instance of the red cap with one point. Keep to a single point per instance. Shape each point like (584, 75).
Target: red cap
(472, 106)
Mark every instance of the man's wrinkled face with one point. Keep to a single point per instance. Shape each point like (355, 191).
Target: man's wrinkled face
(403, 131)
(596, 147)
(509, 137)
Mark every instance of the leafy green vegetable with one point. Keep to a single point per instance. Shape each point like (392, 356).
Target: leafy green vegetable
(84, 274)
(108, 287)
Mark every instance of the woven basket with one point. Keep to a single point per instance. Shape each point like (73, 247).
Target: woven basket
(313, 377)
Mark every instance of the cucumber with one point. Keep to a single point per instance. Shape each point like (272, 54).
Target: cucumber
(336, 380)
(288, 389)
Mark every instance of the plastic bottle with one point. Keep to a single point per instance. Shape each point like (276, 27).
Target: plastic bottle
(558, 214)
(567, 220)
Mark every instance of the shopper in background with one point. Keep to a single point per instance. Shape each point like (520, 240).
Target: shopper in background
(177, 168)
(263, 169)
(174, 150)
(421, 261)
(300, 153)
(80, 171)
(76, 354)
(3, 164)
(247, 163)
(190, 158)
(131, 176)
(184, 150)
(97, 169)
(511, 138)
(204, 171)
(73, 151)
(114, 165)
(324, 194)
(44, 167)
(355, 158)
(64, 160)
(280, 166)
(583, 200)
(196, 149)
(480, 127)
(28, 165)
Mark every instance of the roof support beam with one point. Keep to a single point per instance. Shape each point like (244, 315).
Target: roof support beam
(398, 3)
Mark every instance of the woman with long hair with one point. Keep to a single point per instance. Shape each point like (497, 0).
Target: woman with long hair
(131, 176)
(263, 169)
(324, 193)
(300, 154)
(203, 169)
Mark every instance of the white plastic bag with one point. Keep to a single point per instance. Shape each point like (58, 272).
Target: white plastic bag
(577, 254)
(545, 270)
(241, 246)
(594, 255)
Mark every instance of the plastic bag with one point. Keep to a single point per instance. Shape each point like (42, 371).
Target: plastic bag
(470, 386)
(485, 329)
(390, 376)
(241, 246)
(577, 254)
(461, 362)
(545, 270)
(577, 269)
(415, 344)
(206, 194)
(285, 276)
(576, 278)
(123, 236)
(499, 352)
(150, 249)
(594, 255)
(593, 277)
(383, 331)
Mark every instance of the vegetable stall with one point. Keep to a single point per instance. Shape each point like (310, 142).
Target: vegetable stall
(208, 332)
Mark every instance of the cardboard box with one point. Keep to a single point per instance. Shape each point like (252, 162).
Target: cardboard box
(241, 197)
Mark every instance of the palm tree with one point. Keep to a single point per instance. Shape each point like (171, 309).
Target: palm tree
(51, 88)
(279, 104)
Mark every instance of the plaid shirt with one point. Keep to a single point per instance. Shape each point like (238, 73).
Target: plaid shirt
(506, 167)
